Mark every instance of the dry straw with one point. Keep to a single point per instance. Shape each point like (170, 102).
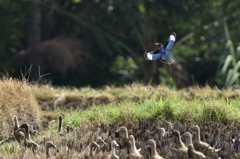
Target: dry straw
(17, 99)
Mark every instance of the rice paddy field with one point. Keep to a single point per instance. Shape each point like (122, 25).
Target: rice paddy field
(92, 113)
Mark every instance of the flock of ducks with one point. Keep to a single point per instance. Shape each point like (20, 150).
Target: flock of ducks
(193, 149)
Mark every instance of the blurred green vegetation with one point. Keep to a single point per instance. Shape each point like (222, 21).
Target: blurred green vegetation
(174, 108)
(101, 42)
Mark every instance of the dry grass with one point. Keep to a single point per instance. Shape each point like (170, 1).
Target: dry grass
(75, 145)
(47, 91)
(85, 97)
(134, 91)
(142, 115)
(17, 99)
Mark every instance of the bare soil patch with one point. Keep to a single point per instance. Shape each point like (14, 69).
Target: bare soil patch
(218, 135)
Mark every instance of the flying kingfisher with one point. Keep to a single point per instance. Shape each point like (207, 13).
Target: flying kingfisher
(163, 51)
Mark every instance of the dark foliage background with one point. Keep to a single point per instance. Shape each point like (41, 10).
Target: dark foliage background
(98, 42)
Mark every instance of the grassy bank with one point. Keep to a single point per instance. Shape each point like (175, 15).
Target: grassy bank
(140, 102)
(171, 108)
(109, 107)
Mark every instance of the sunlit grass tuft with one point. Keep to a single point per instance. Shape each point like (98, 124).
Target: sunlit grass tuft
(154, 108)
(10, 150)
(16, 99)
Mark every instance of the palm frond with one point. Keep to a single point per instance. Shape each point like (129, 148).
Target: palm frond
(226, 63)
(234, 78)
(182, 40)
(232, 75)
(229, 42)
(229, 77)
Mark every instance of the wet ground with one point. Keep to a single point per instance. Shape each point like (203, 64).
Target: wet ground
(218, 135)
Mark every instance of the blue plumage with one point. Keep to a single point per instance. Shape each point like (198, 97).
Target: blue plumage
(163, 51)
(171, 41)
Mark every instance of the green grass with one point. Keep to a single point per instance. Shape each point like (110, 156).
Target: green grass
(9, 150)
(191, 104)
(187, 105)
(170, 108)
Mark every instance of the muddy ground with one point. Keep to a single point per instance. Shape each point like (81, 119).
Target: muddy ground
(218, 135)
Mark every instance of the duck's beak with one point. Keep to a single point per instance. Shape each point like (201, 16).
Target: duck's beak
(119, 145)
(97, 145)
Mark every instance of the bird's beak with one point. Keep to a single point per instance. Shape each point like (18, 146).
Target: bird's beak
(97, 145)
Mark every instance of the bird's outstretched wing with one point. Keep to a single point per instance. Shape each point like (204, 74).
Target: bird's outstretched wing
(171, 41)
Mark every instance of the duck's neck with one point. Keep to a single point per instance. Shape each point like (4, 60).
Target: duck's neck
(16, 124)
(27, 132)
(190, 140)
(125, 134)
(180, 141)
(190, 151)
(60, 125)
(198, 135)
(47, 152)
(162, 132)
(97, 150)
(113, 152)
(153, 150)
(25, 136)
(91, 151)
(133, 146)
